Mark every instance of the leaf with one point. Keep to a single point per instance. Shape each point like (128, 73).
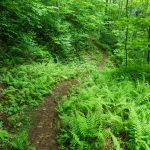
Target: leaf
(4, 134)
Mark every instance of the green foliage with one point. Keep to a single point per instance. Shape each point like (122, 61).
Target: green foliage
(134, 72)
(4, 138)
(131, 29)
(21, 142)
(22, 88)
(108, 111)
(31, 29)
(4, 134)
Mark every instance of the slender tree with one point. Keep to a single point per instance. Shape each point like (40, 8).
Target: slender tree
(126, 34)
(148, 53)
(120, 8)
(106, 7)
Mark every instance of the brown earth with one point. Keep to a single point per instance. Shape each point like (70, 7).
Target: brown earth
(43, 132)
(104, 59)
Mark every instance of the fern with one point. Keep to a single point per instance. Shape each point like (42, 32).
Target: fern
(107, 112)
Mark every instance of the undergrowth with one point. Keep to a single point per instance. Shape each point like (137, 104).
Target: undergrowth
(109, 110)
(22, 88)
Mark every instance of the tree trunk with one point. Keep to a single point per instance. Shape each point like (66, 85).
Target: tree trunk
(126, 50)
(106, 8)
(127, 31)
(148, 53)
(120, 9)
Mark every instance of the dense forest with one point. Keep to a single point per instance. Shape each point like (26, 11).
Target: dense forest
(74, 74)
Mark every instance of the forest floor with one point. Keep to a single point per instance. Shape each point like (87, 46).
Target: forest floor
(43, 132)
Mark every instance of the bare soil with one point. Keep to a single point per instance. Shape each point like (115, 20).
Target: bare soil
(43, 132)
(104, 59)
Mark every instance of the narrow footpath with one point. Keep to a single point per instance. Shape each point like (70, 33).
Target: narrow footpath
(43, 132)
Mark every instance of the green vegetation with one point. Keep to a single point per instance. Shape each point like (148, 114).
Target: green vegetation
(46, 42)
(34, 28)
(110, 110)
(23, 88)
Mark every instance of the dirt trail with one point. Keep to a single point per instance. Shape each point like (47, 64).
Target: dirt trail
(43, 131)
(104, 59)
